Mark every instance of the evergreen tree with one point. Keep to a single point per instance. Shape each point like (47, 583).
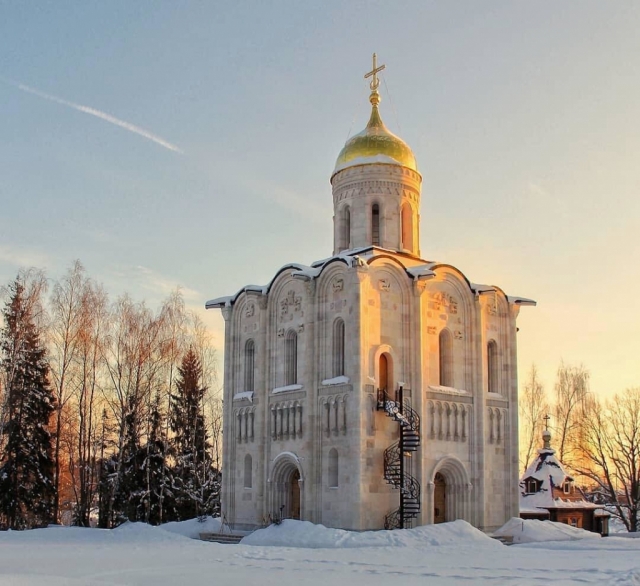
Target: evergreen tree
(159, 504)
(196, 482)
(130, 490)
(26, 464)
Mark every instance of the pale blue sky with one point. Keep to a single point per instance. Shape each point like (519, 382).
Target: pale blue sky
(524, 118)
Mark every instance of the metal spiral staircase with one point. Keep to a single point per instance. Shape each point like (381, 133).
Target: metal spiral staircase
(395, 472)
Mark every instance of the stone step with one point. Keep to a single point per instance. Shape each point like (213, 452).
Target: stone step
(226, 538)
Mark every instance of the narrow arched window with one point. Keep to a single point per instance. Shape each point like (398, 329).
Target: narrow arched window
(333, 468)
(445, 342)
(249, 364)
(375, 225)
(338, 348)
(248, 471)
(346, 227)
(492, 367)
(407, 227)
(291, 358)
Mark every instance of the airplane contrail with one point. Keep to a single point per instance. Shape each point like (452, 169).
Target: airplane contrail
(98, 114)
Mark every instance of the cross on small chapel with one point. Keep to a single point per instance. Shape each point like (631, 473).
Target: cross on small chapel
(375, 82)
(546, 421)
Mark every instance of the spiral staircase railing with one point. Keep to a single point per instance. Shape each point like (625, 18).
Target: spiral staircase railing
(395, 472)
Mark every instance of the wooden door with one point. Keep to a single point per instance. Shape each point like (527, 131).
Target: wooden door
(295, 495)
(439, 499)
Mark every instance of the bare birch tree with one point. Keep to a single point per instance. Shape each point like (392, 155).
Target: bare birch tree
(571, 389)
(64, 334)
(85, 451)
(532, 408)
(611, 453)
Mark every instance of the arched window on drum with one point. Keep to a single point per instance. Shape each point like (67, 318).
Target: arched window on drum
(492, 367)
(249, 365)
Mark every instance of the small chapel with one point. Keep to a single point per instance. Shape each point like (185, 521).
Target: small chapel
(548, 492)
(374, 388)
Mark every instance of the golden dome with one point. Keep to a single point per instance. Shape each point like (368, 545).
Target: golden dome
(375, 144)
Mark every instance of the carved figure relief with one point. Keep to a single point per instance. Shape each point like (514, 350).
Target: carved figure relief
(384, 285)
(337, 285)
(442, 301)
(290, 304)
(250, 310)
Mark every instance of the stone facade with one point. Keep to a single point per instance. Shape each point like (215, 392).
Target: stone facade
(307, 354)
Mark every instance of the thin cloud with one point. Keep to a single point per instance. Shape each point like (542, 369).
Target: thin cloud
(147, 279)
(22, 257)
(98, 114)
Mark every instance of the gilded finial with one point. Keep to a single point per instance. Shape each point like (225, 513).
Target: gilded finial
(374, 98)
(546, 434)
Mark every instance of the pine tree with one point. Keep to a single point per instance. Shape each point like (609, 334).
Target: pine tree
(196, 482)
(26, 464)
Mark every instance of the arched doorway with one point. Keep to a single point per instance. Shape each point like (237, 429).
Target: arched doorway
(439, 499)
(285, 498)
(451, 491)
(385, 373)
(294, 493)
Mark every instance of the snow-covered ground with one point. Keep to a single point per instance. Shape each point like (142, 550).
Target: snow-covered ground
(299, 553)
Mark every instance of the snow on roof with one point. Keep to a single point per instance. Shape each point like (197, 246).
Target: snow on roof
(549, 473)
(513, 300)
(353, 257)
(307, 273)
(478, 289)
(421, 271)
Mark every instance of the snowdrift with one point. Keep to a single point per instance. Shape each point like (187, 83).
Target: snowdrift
(535, 531)
(192, 528)
(308, 535)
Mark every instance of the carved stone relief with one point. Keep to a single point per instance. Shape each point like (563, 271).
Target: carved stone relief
(442, 301)
(290, 304)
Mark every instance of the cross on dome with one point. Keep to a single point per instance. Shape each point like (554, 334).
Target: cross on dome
(375, 82)
(374, 98)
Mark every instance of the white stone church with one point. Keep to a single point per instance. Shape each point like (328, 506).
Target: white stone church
(373, 388)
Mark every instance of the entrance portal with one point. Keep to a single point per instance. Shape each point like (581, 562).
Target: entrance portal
(294, 511)
(439, 499)
(285, 498)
